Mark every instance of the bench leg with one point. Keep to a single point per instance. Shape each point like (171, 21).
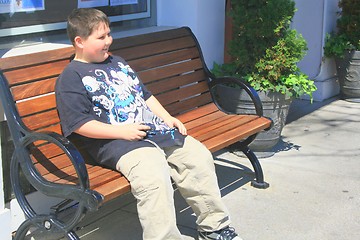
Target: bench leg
(42, 225)
(259, 176)
(48, 224)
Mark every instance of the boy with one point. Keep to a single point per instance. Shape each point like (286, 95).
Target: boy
(100, 98)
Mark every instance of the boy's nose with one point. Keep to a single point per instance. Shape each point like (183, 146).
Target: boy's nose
(109, 40)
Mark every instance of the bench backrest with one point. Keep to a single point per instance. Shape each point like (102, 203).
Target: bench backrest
(168, 62)
(171, 65)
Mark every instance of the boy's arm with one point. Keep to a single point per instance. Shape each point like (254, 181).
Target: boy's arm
(156, 107)
(100, 130)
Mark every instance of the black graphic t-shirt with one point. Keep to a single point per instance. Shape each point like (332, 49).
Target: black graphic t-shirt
(110, 92)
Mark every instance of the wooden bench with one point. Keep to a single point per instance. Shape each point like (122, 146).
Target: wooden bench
(171, 65)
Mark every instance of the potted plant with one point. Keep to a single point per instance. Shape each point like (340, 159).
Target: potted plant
(344, 46)
(265, 52)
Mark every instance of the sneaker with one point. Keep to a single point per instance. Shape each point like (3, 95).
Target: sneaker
(223, 234)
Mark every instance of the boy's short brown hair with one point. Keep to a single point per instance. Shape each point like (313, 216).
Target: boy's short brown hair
(82, 21)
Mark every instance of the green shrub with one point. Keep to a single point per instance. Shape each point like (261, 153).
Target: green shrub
(264, 49)
(347, 37)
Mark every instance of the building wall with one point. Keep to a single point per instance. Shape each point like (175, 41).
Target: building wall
(314, 19)
(206, 18)
(5, 214)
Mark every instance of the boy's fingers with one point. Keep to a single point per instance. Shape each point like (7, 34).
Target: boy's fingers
(144, 127)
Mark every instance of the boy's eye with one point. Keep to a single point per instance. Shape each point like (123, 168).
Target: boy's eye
(104, 36)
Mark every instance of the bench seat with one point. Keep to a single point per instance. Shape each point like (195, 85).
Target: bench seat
(207, 124)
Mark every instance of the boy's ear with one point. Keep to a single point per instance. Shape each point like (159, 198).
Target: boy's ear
(78, 42)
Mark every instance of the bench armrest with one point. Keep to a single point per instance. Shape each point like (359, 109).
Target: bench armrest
(79, 192)
(241, 84)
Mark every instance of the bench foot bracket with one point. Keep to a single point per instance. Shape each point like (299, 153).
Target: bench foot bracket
(45, 225)
(261, 185)
(259, 176)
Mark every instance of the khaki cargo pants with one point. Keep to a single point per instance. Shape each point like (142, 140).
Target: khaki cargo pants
(191, 167)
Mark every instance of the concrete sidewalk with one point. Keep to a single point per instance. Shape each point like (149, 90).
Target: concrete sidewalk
(314, 181)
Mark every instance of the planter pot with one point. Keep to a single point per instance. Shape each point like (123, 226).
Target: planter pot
(348, 70)
(275, 106)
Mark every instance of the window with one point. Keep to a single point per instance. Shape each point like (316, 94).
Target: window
(49, 25)
(51, 15)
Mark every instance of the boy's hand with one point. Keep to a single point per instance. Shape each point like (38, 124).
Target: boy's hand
(156, 107)
(133, 132)
(174, 122)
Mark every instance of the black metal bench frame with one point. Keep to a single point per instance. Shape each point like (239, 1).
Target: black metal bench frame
(88, 199)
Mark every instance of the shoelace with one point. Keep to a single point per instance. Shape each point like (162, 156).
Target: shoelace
(227, 234)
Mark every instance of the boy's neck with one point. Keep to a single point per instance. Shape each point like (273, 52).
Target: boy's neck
(79, 58)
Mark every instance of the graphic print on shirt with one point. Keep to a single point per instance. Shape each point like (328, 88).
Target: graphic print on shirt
(117, 93)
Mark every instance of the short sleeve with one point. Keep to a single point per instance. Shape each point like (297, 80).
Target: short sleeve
(146, 92)
(72, 101)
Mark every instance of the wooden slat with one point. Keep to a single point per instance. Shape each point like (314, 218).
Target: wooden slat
(175, 82)
(145, 63)
(198, 113)
(182, 93)
(50, 150)
(170, 70)
(156, 48)
(149, 38)
(58, 173)
(39, 104)
(114, 188)
(42, 120)
(226, 138)
(109, 176)
(53, 128)
(188, 104)
(93, 172)
(43, 71)
(229, 123)
(210, 119)
(33, 89)
(45, 166)
(10, 63)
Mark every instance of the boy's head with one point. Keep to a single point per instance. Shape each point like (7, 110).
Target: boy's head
(83, 21)
(89, 32)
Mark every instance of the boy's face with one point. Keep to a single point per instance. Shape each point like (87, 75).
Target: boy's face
(95, 48)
